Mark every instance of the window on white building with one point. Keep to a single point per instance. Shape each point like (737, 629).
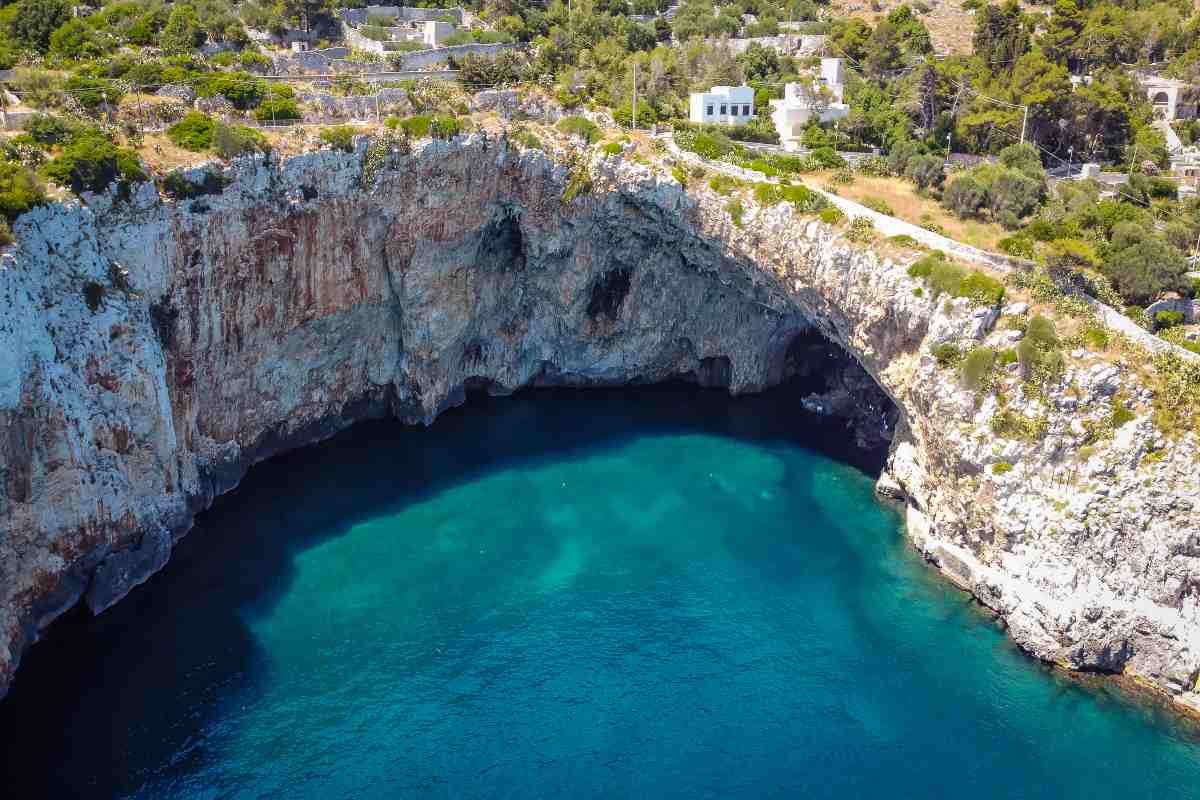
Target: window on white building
(723, 111)
(746, 110)
(708, 110)
(733, 110)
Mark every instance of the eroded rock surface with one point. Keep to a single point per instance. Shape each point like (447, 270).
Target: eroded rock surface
(150, 351)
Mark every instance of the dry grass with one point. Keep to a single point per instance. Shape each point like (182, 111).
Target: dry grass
(902, 196)
(162, 156)
(950, 25)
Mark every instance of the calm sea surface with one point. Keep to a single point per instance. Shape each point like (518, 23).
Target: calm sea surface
(645, 593)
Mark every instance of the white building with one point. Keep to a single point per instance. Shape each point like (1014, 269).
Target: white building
(723, 105)
(436, 32)
(1172, 99)
(823, 99)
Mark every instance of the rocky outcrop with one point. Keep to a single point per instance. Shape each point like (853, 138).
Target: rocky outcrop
(153, 350)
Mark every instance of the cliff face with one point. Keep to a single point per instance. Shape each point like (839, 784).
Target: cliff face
(150, 351)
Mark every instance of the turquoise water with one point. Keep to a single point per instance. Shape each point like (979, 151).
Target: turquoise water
(647, 593)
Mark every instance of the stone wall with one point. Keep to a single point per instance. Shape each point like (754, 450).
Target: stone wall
(421, 59)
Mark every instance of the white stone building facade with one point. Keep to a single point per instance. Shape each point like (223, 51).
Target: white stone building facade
(823, 100)
(723, 105)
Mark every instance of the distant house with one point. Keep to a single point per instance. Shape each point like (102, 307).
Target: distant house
(723, 105)
(823, 99)
(1172, 99)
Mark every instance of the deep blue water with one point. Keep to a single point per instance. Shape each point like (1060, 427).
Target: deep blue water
(659, 592)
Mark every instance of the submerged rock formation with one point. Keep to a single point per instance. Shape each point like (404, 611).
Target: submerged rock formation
(151, 351)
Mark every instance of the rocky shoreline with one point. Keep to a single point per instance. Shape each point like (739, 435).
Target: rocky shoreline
(154, 349)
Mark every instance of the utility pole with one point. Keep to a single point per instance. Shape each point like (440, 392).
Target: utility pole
(1024, 123)
(635, 72)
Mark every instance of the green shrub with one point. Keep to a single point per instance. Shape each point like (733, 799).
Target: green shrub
(91, 162)
(947, 354)
(340, 137)
(1001, 468)
(48, 130)
(612, 149)
(20, 190)
(678, 174)
(862, 229)
(827, 157)
(1167, 319)
(582, 127)
(918, 291)
(194, 132)
(736, 210)
(1119, 415)
(444, 126)
(767, 194)
(1005, 357)
(981, 289)
(1012, 425)
(1095, 337)
(945, 277)
(831, 215)
(231, 141)
(578, 183)
(176, 185)
(976, 368)
(904, 240)
(1038, 350)
(1018, 245)
(843, 177)
(242, 89)
(723, 184)
(879, 206)
(277, 109)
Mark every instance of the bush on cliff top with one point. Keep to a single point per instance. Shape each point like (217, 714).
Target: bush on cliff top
(91, 162)
(231, 141)
(945, 277)
(20, 190)
(194, 132)
(340, 137)
(581, 127)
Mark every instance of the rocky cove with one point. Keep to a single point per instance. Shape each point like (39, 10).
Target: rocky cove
(153, 350)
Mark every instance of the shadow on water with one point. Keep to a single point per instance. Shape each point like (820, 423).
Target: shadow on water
(179, 645)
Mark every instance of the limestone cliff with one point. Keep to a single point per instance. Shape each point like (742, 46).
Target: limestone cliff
(151, 350)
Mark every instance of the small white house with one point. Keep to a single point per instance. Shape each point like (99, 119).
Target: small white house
(1172, 99)
(723, 105)
(436, 32)
(823, 99)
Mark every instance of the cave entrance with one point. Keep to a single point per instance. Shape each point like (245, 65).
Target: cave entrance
(831, 383)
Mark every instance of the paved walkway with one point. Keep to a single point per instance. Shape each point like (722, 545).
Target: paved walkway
(891, 226)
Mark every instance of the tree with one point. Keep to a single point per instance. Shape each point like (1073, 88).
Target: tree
(926, 172)
(1023, 158)
(759, 63)
(1013, 195)
(965, 196)
(1060, 41)
(885, 52)
(1144, 270)
(36, 20)
(1000, 36)
(91, 162)
(182, 33)
(75, 39)
(850, 37)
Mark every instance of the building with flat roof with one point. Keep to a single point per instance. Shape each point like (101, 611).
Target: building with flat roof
(823, 100)
(722, 105)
